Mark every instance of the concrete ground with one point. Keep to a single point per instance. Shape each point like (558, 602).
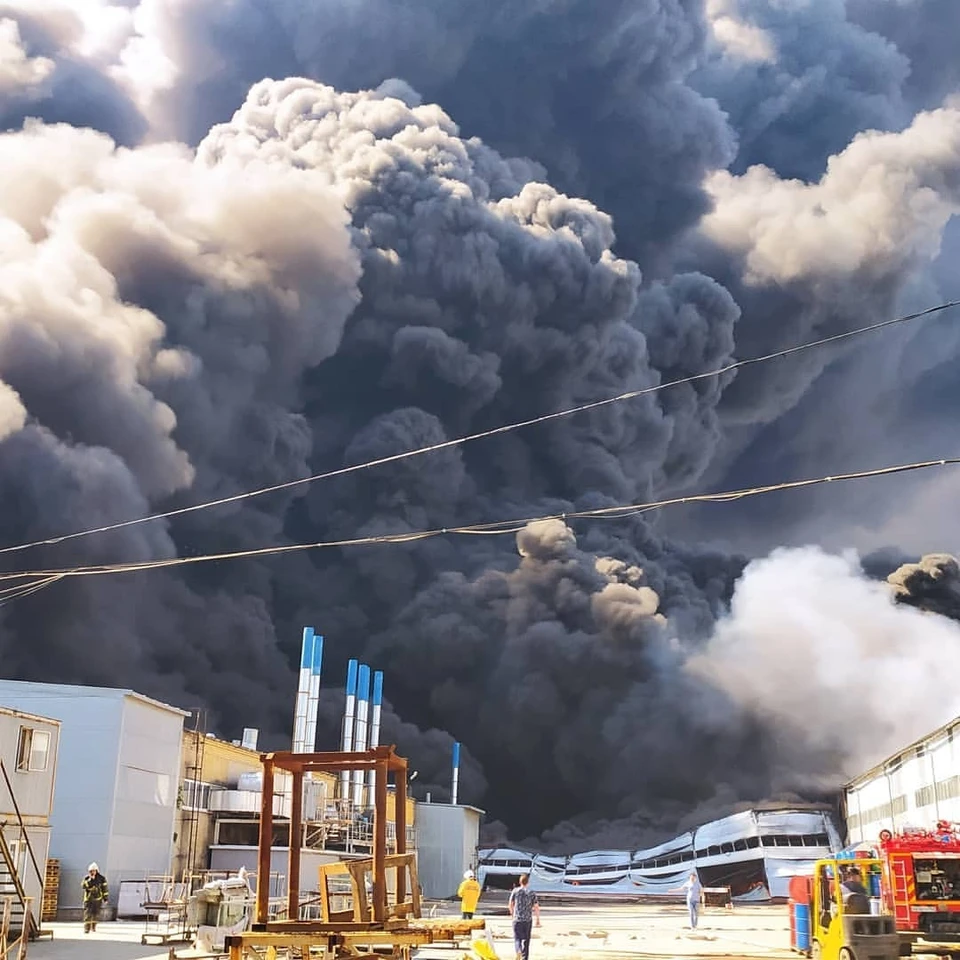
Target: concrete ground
(650, 930)
(112, 941)
(568, 931)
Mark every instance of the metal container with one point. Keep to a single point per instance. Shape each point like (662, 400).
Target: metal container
(802, 924)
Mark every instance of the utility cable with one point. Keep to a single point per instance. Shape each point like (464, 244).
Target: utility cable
(8, 594)
(483, 434)
(496, 528)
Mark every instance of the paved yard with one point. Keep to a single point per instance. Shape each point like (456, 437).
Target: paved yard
(568, 931)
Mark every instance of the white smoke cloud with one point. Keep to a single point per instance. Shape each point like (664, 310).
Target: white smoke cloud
(13, 414)
(882, 203)
(813, 647)
(737, 37)
(19, 73)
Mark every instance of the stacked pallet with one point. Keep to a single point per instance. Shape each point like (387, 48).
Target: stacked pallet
(51, 892)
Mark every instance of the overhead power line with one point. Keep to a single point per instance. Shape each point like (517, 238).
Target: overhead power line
(496, 528)
(495, 431)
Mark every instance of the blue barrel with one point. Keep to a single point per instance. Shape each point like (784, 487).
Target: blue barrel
(874, 884)
(802, 914)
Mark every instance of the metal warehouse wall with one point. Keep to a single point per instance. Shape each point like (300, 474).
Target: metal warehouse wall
(915, 787)
(447, 838)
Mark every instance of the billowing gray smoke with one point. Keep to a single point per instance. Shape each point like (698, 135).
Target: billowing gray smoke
(932, 584)
(328, 277)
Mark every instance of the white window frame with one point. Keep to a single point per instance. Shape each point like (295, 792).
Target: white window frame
(31, 759)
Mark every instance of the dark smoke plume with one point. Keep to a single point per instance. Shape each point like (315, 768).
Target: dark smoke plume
(932, 584)
(328, 277)
(616, 122)
(799, 81)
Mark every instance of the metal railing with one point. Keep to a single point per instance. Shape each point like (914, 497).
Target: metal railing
(15, 949)
(29, 923)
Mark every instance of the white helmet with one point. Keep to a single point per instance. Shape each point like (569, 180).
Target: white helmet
(468, 875)
(93, 868)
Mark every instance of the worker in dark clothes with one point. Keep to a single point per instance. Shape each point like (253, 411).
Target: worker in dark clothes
(854, 893)
(95, 895)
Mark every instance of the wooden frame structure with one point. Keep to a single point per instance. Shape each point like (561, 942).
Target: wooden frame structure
(370, 927)
(382, 761)
(404, 866)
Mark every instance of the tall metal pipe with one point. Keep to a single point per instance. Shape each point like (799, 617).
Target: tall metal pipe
(303, 692)
(360, 730)
(456, 773)
(346, 740)
(376, 702)
(313, 700)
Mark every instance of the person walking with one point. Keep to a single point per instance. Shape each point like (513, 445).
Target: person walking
(524, 907)
(693, 890)
(95, 895)
(469, 894)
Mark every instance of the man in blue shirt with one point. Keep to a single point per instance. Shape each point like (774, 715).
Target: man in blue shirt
(523, 907)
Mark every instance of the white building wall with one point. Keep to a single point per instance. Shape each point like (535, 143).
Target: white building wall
(447, 838)
(913, 788)
(145, 802)
(104, 744)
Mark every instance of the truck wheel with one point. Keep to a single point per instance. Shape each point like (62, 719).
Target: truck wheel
(815, 950)
(846, 953)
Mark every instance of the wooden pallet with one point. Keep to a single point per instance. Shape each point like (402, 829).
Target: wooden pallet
(51, 892)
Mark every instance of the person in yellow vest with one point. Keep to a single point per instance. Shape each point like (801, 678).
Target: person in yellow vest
(469, 894)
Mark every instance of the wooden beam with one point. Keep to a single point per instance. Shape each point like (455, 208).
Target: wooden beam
(296, 839)
(400, 824)
(266, 843)
(346, 939)
(380, 843)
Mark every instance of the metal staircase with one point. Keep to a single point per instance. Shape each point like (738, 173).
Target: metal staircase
(11, 874)
(11, 888)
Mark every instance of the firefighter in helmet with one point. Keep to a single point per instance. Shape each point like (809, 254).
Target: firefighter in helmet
(94, 897)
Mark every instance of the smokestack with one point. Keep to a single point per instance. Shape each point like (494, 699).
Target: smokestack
(303, 692)
(346, 741)
(313, 700)
(250, 737)
(360, 735)
(456, 773)
(375, 703)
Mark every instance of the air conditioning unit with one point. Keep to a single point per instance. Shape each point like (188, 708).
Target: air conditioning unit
(246, 801)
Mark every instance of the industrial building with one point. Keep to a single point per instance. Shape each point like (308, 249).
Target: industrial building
(117, 778)
(160, 808)
(447, 844)
(914, 787)
(754, 853)
(28, 769)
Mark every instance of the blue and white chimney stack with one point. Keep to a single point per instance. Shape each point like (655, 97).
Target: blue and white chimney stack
(349, 711)
(360, 736)
(456, 774)
(313, 699)
(376, 703)
(301, 709)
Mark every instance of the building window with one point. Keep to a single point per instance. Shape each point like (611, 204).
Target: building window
(33, 750)
(194, 795)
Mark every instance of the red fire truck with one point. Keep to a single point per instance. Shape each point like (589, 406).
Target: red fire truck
(921, 883)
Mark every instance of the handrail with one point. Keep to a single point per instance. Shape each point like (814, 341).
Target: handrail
(23, 827)
(7, 946)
